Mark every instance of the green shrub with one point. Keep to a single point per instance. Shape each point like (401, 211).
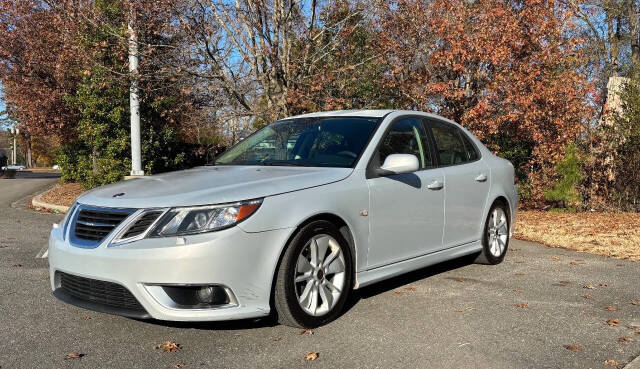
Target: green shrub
(565, 190)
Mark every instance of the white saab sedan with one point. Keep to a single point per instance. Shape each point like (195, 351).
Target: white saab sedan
(287, 222)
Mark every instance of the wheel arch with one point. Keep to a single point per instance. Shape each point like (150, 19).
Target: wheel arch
(343, 228)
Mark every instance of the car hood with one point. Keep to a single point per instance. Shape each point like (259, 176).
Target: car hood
(210, 185)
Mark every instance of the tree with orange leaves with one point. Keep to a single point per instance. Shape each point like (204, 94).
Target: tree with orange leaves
(507, 70)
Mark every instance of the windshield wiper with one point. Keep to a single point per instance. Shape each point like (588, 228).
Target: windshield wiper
(285, 163)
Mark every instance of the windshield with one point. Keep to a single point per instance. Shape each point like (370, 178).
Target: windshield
(314, 142)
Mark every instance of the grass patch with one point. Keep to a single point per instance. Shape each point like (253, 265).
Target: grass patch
(614, 235)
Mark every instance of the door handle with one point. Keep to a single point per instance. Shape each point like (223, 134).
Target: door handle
(481, 177)
(435, 185)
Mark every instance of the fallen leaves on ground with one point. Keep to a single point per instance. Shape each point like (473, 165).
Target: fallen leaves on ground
(589, 287)
(613, 322)
(468, 308)
(86, 317)
(311, 356)
(169, 346)
(63, 194)
(179, 365)
(278, 339)
(576, 262)
(519, 273)
(611, 362)
(573, 347)
(410, 288)
(635, 302)
(460, 280)
(611, 308)
(305, 331)
(625, 339)
(603, 285)
(399, 293)
(610, 234)
(522, 306)
(564, 283)
(517, 291)
(555, 258)
(73, 355)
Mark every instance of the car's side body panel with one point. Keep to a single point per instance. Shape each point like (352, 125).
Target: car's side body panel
(346, 199)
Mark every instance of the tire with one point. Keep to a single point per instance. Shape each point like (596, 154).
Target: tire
(495, 243)
(292, 306)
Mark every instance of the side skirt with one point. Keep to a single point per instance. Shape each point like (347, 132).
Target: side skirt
(371, 276)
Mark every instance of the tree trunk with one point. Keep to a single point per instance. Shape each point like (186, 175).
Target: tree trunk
(27, 144)
(634, 32)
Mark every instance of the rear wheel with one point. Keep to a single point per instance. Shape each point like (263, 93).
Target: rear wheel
(314, 277)
(495, 239)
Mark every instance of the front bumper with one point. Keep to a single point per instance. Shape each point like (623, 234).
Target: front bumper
(242, 262)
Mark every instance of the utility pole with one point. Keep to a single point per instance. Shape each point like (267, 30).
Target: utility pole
(134, 103)
(15, 132)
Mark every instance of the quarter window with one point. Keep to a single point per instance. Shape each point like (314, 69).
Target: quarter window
(472, 154)
(449, 144)
(407, 136)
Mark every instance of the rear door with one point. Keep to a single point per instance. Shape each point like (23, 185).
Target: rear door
(466, 183)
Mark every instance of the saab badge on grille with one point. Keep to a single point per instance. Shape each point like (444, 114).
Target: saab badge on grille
(118, 194)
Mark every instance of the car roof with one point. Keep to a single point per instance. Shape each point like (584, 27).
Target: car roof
(373, 113)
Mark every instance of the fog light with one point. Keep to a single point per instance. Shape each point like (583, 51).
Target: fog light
(205, 294)
(197, 297)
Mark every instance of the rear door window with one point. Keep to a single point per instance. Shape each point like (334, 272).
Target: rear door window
(450, 146)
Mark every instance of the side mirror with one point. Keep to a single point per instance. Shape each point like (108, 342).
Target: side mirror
(399, 163)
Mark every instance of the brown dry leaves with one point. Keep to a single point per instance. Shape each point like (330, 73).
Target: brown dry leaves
(625, 339)
(610, 234)
(311, 356)
(168, 346)
(522, 306)
(613, 322)
(74, 355)
(611, 308)
(611, 362)
(305, 332)
(63, 194)
(573, 347)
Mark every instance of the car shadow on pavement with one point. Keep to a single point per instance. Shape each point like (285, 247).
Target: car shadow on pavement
(230, 325)
(408, 278)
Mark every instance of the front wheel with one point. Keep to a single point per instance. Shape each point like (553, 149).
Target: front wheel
(314, 277)
(495, 238)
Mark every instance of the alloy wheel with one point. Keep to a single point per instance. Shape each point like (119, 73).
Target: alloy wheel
(319, 275)
(497, 232)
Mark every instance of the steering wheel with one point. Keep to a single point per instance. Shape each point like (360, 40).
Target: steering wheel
(347, 153)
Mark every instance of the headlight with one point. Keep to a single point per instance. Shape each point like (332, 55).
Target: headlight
(200, 219)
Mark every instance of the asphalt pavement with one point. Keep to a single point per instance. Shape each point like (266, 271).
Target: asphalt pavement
(541, 308)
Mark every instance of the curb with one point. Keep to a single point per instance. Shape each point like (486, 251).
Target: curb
(634, 364)
(38, 203)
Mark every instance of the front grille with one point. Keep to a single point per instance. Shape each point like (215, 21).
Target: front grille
(94, 225)
(99, 292)
(142, 224)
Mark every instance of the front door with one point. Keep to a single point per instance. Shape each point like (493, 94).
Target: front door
(406, 211)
